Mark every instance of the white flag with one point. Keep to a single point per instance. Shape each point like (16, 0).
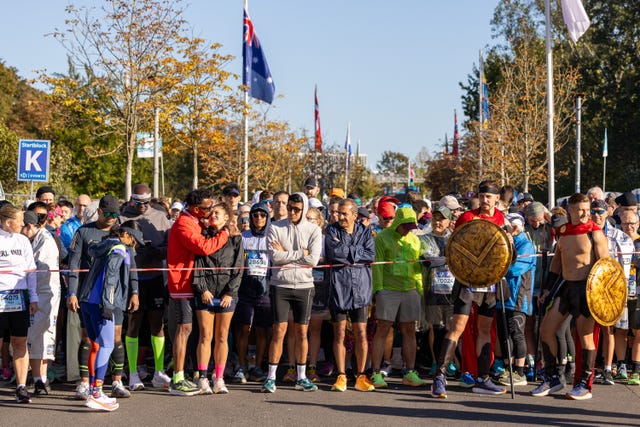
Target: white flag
(575, 17)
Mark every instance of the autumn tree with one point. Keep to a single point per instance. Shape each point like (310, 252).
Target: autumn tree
(121, 47)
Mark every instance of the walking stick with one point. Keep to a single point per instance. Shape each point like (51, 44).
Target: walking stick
(506, 334)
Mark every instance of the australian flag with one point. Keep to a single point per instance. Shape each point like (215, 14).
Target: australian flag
(255, 73)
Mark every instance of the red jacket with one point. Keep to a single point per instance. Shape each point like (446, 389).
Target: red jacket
(185, 242)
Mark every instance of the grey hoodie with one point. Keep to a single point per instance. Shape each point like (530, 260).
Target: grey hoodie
(294, 238)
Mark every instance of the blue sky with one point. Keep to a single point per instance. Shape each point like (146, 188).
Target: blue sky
(391, 69)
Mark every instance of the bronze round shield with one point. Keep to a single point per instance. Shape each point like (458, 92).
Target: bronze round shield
(606, 291)
(479, 253)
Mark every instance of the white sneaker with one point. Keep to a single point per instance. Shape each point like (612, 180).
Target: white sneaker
(219, 387)
(82, 390)
(160, 380)
(204, 386)
(142, 372)
(135, 383)
(102, 403)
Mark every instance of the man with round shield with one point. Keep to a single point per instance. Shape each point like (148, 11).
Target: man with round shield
(464, 297)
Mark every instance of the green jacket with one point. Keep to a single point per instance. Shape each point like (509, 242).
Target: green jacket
(391, 246)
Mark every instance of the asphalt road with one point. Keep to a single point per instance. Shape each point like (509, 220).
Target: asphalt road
(399, 405)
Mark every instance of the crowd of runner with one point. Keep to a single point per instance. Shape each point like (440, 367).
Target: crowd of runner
(189, 295)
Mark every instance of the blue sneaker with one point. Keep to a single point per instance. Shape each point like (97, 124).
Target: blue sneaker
(438, 388)
(548, 385)
(305, 385)
(467, 380)
(530, 374)
(451, 369)
(269, 386)
(498, 368)
(580, 392)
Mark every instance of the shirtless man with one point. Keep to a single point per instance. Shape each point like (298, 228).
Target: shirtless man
(582, 243)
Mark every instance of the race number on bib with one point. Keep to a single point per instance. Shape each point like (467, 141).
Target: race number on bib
(257, 262)
(12, 301)
(442, 280)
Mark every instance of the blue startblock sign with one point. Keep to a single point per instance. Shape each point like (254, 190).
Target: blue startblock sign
(33, 160)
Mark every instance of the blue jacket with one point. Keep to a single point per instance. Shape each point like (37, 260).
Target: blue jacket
(520, 277)
(350, 286)
(110, 279)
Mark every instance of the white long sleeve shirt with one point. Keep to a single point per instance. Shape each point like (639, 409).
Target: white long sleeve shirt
(16, 256)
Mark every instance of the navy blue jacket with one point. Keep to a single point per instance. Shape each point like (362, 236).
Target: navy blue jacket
(350, 286)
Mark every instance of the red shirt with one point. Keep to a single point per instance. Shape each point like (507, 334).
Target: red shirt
(185, 242)
(497, 218)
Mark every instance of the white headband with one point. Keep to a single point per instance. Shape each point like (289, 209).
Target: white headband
(141, 196)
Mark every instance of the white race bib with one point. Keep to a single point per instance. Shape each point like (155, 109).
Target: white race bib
(442, 280)
(12, 301)
(258, 263)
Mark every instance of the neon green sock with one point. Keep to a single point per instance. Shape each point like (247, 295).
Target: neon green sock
(178, 376)
(158, 352)
(132, 353)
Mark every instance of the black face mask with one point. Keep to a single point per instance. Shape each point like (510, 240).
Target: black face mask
(424, 219)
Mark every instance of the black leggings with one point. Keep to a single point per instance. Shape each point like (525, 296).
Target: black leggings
(515, 325)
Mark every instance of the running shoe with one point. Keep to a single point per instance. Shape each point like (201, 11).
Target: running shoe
(517, 379)
(580, 392)
(622, 372)
(290, 376)
(412, 379)
(634, 379)
(118, 390)
(82, 390)
(451, 369)
(41, 387)
(269, 386)
(240, 376)
(135, 383)
(467, 380)
(160, 380)
(7, 374)
(486, 386)
(439, 386)
(257, 374)
(305, 385)
(340, 384)
(498, 368)
(386, 369)
(312, 375)
(22, 395)
(102, 403)
(183, 388)
(433, 370)
(143, 373)
(377, 379)
(607, 378)
(219, 387)
(204, 386)
(327, 369)
(363, 384)
(548, 385)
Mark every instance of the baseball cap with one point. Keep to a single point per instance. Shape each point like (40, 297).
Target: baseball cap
(337, 192)
(109, 203)
(311, 182)
(450, 202)
(599, 204)
(389, 199)
(177, 206)
(626, 199)
(364, 212)
(534, 209)
(386, 210)
(515, 219)
(444, 211)
(315, 203)
(231, 189)
(525, 197)
(135, 233)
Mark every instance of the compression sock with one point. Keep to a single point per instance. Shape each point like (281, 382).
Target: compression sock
(178, 376)
(588, 360)
(132, 352)
(158, 352)
(83, 359)
(117, 358)
(91, 361)
(484, 361)
(273, 367)
(301, 371)
(219, 371)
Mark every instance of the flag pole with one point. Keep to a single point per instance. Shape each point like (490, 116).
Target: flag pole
(346, 163)
(605, 153)
(480, 114)
(246, 146)
(550, 113)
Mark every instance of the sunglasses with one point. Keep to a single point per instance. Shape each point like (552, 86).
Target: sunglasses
(389, 218)
(111, 214)
(268, 201)
(259, 215)
(294, 209)
(205, 208)
(139, 203)
(598, 211)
